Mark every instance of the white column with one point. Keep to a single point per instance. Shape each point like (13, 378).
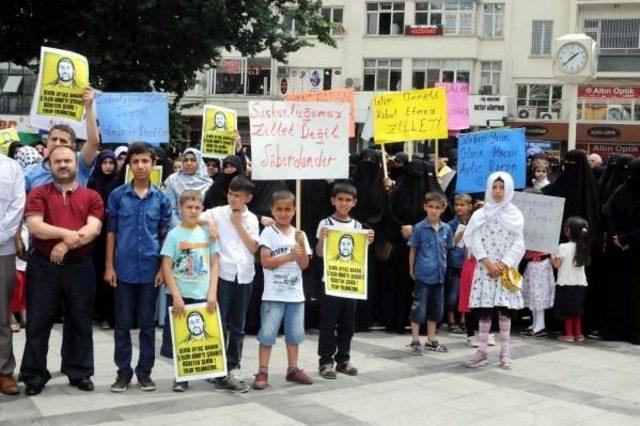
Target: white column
(571, 95)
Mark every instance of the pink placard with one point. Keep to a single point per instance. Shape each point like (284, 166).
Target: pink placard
(457, 105)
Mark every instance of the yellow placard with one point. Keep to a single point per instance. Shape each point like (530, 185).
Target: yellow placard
(7, 137)
(198, 344)
(218, 128)
(62, 80)
(412, 115)
(156, 176)
(345, 263)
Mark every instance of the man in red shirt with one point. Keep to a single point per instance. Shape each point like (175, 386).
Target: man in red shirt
(63, 219)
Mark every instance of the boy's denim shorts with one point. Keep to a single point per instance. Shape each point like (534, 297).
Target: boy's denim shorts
(271, 316)
(428, 302)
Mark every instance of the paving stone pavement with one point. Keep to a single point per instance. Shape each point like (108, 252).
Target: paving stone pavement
(552, 383)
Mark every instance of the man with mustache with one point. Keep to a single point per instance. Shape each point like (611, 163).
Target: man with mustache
(64, 219)
(66, 74)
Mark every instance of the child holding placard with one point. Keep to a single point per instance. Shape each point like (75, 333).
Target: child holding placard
(284, 254)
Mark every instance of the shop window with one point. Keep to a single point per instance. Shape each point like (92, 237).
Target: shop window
(426, 73)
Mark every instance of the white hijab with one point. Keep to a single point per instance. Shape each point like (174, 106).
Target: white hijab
(504, 212)
(198, 181)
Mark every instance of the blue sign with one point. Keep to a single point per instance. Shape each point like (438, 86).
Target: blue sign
(131, 117)
(482, 153)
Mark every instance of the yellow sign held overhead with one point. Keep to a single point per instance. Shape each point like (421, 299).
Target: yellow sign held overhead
(412, 115)
(7, 137)
(218, 132)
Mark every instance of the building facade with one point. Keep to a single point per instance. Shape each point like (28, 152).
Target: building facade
(502, 48)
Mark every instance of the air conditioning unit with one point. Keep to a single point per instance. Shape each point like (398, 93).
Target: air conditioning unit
(352, 82)
(549, 115)
(526, 113)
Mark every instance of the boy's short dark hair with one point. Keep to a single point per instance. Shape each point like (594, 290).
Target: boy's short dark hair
(191, 195)
(140, 148)
(67, 129)
(242, 183)
(465, 198)
(437, 197)
(282, 195)
(344, 188)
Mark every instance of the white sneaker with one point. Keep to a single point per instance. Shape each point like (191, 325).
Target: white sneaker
(471, 343)
(236, 374)
(491, 341)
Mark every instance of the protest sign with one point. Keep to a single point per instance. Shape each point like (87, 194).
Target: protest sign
(299, 140)
(198, 344)
(218, 132)
(130, 117)
(457, 105)
(7, 137)
(345, 263)
(411, 115)
(482, 153)
(338, 95)
(542, 220)
(156, 175)
(57, 99)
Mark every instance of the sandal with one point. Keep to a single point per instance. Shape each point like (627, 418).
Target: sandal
(15, 327)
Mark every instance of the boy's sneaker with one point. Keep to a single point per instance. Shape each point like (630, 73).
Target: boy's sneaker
(121, 384)
(327, 372)
(180, 386)
(227, 384)
(491, 341)
(261, 380)
(476, 361)
(347, 368)
(298, 376)
(535, 334)
(145, 383)
(415, 348)
(236, 374)
(471, 343)
(435, 346)
(454, 329)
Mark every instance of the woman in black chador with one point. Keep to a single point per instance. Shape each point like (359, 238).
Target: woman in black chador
(216, 195)
(614, 175)
(622, 219)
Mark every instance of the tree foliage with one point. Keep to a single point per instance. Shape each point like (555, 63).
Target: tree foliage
(143, 45)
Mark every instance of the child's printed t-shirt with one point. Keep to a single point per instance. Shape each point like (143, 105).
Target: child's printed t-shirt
(190, 249)
(284, 283)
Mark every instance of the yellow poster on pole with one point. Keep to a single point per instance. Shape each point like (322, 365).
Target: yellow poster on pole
(7, 137)
(218, 128)
(198, 344)
(62, 79)
(345, 263)
(411, 115)
(156, 176)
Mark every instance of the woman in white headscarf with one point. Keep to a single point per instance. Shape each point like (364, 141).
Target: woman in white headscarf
(193, 176)
(495, 236)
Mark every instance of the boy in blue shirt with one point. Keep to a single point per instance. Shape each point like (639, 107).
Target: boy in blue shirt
(139, 217)
(190, 263)
(429, 243)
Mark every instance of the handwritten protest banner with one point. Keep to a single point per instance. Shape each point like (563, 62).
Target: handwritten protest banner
(62, 79)
(130, 117)
(416, 114)
(7, 137)
(299, 140)
(542, 220)
(218, 131)
(198, 344)
(156, 175)
(457, 105)
(338, 95)
(345, 263)
(482, 153)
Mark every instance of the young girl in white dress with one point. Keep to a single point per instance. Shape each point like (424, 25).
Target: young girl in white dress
(495, 236)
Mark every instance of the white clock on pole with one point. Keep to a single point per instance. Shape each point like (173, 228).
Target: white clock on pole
(575, 58)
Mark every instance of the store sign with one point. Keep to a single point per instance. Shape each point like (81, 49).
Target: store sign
(607, 91)
(486, 108)
(605, 149)
(534, 130)
(423, 30)
(18, 122)
(603, 132)
(549, 147)
(230, 66)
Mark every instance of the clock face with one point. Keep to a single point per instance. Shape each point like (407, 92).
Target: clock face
(572, 58)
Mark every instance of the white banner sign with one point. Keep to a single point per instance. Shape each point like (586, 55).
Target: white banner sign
(299, 140)
(542, 220)
(483, 108)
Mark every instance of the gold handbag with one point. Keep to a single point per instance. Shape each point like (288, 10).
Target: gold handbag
(511, 280)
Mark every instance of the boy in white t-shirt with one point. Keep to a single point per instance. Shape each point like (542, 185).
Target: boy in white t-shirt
(284, 254)
(238, 232)
(337, 314)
